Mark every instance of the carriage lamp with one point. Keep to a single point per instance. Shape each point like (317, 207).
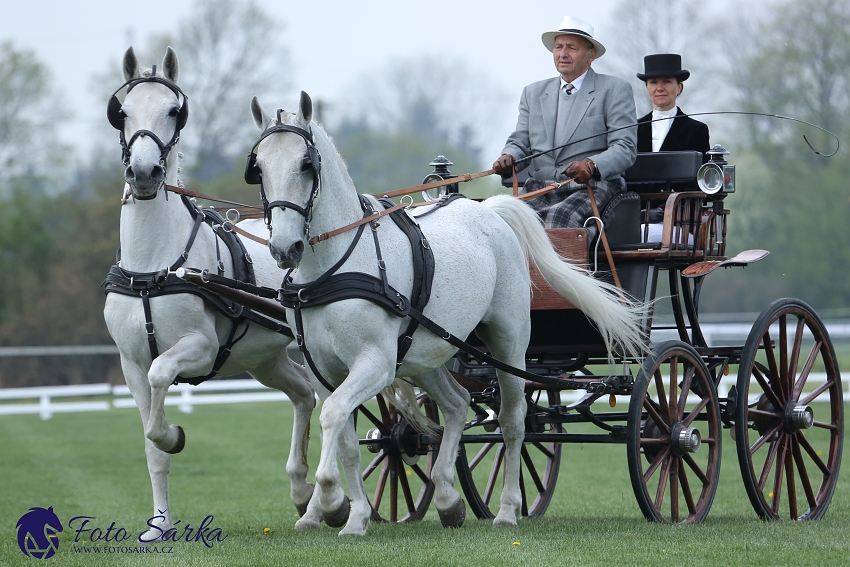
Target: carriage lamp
(717, 175)
(441, 172)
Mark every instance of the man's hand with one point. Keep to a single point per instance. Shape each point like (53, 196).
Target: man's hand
(504, 165)
(579, 171)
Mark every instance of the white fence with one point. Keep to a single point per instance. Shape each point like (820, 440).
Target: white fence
(43, 400)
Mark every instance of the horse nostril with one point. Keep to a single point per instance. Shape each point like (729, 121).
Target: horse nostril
(157, 173)
(129, 175)
(296, 250)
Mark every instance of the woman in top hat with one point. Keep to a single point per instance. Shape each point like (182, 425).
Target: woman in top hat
(664, 78)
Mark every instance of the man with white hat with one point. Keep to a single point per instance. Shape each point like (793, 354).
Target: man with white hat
(584, 111)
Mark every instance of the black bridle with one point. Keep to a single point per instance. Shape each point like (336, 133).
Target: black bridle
(115, 114)
(254, 176)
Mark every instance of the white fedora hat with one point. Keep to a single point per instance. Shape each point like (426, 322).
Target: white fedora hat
(573, 26)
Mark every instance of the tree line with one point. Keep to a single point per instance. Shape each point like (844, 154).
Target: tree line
(59, 226)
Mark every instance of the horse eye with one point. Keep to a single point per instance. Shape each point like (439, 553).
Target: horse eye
(306, 165)
(173, 112)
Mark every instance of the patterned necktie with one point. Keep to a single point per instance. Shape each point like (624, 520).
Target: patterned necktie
(569, 88)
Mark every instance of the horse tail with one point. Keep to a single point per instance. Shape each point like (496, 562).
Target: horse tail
(617, 320)
(402, 396)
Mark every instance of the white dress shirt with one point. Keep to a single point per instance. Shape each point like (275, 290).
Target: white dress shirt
(662, 127)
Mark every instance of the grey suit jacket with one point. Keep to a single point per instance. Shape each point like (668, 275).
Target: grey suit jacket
(604, 103)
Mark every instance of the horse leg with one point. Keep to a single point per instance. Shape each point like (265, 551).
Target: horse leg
(360, 385)
(508, 347)
(453, 402)
(192, 355)
(282, 374)
(159, 462)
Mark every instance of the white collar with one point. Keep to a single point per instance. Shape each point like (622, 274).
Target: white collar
(576, 83)
(665, 113)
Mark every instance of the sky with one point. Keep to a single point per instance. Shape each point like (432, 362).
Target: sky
(331, 42)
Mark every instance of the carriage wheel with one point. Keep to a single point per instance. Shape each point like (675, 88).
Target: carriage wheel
(480, 465)
(789, 419)
(674, 435)
(397, 476)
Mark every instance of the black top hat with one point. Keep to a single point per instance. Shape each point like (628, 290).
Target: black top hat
(663, 65)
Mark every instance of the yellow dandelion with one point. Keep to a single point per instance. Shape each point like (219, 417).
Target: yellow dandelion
(409, 473)
(266, 530)
(515, 543)
(770, 494)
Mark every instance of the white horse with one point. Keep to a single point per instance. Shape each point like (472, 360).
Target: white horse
(481, 284)
(188, 330)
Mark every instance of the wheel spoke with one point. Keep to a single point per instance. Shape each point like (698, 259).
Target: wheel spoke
(803, 474)
(420, 473)
(824, 425)
(545, 450)
(696, 468)
(695, 412)
(382, 484)
(662, 483)
(494, 474)
(659, 421)
(675, 414)
(674, 490)
(686, 489)
(374, 464)
(784, 380)
(795, 355)
(768, 464)
(393, 492)
(771, 358)
(659, 459)
(405, 488)
(813, 454)
(777, 478)
(766, 437)
(686, 387)
(817, 392)
(807, 368)
(767, 388)
(524, 504)
(532, 471)
(481, 454)
(375, 421)
(660, 392)
(753, 411)
(792, 489)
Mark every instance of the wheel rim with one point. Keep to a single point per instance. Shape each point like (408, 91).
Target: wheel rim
(397, 479)
(480, 467)
(789, 425)
(674, 437)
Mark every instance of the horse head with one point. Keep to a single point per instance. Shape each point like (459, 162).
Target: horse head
(287, 167)
(150, 120)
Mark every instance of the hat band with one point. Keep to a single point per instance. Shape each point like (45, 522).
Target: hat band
(576, 32)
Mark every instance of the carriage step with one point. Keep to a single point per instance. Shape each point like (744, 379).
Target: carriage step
(741, 259)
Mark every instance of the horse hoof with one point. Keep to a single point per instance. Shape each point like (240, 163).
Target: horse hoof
(454, 516)
(339, 517)
(181, 442)
(301, 508)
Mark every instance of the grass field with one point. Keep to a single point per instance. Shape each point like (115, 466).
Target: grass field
(233, 468)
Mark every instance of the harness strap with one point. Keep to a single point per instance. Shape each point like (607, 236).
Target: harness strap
(149, 329)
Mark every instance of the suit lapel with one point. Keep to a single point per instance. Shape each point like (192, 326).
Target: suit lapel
(580, 106)
(549, 108)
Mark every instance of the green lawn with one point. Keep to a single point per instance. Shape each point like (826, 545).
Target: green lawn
(233, 468)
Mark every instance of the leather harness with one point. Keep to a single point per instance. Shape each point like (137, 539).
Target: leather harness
(154, 284)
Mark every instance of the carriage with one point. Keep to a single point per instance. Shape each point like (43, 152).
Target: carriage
(784, 414)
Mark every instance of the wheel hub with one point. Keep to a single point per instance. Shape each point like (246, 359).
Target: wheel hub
(798, 417)
(684, 440)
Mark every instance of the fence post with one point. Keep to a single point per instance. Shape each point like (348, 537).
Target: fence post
(186, 401)
(44, 404)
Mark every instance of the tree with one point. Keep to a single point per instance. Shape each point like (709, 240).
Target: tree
(28, 110)
(797, 67)
(665, 26)
(229, 51)
(433, 98)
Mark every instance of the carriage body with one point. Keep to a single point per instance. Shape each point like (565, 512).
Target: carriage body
(788, 430)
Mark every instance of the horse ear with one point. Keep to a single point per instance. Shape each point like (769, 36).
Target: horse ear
(305, 109)
(260, 116)
(131, 64)
(170, 68)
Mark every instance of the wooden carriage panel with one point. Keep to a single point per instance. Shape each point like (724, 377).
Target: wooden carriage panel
(570, 243)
